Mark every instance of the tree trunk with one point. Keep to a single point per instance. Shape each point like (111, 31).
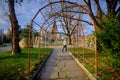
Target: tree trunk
(14, 23)
(70, 41)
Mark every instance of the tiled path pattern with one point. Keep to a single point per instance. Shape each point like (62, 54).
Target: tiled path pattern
(61, 66)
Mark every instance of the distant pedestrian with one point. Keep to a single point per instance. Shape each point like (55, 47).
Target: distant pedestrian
(64, 45)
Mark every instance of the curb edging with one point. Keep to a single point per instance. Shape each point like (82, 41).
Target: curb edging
(36, 75)
(83, 68)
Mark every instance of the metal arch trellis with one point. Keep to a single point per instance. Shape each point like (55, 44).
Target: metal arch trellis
(80, 7)
(57, 16)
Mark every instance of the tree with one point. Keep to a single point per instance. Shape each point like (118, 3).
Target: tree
(113, 8)
(99, 17)
(109, 39)
(69, 27)
(1, 36)
(66, 16)
(24, 34)
(15, 27)
(54, 31)
(9, 35)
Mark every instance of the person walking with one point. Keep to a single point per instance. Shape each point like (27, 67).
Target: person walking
(64, 45)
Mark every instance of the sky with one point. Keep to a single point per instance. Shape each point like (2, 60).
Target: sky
(25, 13)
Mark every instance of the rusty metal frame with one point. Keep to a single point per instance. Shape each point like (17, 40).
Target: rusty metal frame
(80, 7)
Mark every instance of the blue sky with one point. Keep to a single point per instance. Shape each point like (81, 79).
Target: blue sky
(25, 13)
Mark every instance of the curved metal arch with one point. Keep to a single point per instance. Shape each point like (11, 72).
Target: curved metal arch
(67, 16)
(77, 5)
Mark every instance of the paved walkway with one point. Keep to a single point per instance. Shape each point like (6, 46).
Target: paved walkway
(4, 49)
(61, 66)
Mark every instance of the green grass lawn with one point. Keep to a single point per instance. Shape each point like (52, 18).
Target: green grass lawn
(16, 67)
(106, 71)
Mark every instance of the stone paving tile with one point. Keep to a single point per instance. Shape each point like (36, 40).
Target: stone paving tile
(54, 75)
(79, 78)
(74, 73)
(61, 66)
(50, 69)
(45, 76)
(62, 74)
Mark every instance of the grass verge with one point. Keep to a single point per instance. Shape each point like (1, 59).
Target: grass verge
(106, 70)
(16, 67)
